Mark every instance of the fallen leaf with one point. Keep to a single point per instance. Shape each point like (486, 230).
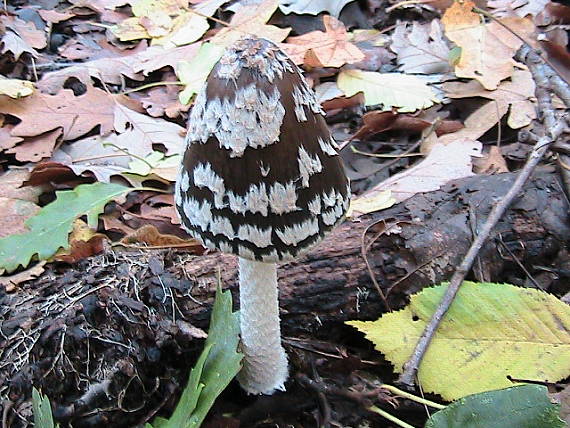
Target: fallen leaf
(7, 140)
(519, 8)
(390, 90)
(77, 115)
(514, 96)
(34, 149)
(443, 163)
(33, 37)
(368, 204)
(193, 73)
(163, 101)
(48, 230)
(16, 88)
(313, 7)
(54, 17)
(323, 49)
(492, 162)
(186, 28)
(421, 48)
(150, 236)
(13, 43)
(83, 242)
(10, 282)
(157, 57)
(91, 154)
(486, 49)
(138, 133)
(156, 166)
(379, 121)
(252, 19)
(18, 202)
(481, 340)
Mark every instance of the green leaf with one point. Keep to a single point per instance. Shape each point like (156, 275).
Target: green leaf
(217, 366)
(43, 417)
(50, 227)
(524, 406)
(195, 72)
(405, 92)
(490, 332)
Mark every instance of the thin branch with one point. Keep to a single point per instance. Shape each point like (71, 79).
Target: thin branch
(553, 132)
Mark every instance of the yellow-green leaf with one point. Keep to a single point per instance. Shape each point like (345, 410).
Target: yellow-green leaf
(490, 332)
(194, 73)
(368, 204)
(405, 92)
(16, 88)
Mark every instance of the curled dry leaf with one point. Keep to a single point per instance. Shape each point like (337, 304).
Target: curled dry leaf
(83, 242)
(10, 282)
(379, 121)
(323, 49)
(149, 235)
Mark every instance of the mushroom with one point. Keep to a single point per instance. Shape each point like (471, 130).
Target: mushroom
(261, 178)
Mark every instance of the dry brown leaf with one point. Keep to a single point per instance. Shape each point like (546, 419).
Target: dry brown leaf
(18, 202)
(10, 282)
(251, 19)
(163, 101)
(379, 121)
(7, 140)
(515, 96)
(40, 113)
(421, 48)
(26, 30)
(157, 57)
(150, 236)
(34, 149)
(519, 8)
(53, 16)
(323, 49)
(442, 164)
(83, 242)
(492, 162)
(486, 49)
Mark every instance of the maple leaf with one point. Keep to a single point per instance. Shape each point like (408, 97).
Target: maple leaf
(77, 115)
(323, 49)
(487, 49)
(313, 7)
(138, 133)
(421, 49)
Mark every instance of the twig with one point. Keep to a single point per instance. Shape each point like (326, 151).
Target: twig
(553, 132)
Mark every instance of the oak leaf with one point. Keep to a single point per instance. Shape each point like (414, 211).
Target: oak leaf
(77, 115)
(36, 148)
(323, 49)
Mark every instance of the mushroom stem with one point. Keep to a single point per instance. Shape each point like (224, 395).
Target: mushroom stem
(265, 362)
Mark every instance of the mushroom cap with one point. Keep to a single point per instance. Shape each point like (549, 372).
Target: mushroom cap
(261, 176)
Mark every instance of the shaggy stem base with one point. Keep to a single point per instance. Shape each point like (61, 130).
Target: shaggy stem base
(265, 362)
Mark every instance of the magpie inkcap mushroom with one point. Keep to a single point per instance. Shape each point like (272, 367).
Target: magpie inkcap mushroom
(261, 178)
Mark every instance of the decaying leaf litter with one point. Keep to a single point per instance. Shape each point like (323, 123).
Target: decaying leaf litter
(97, 94)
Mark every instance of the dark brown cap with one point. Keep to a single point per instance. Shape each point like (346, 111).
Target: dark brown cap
(261, 176)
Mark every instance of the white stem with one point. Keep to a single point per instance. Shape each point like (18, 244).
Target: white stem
(265, 362)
